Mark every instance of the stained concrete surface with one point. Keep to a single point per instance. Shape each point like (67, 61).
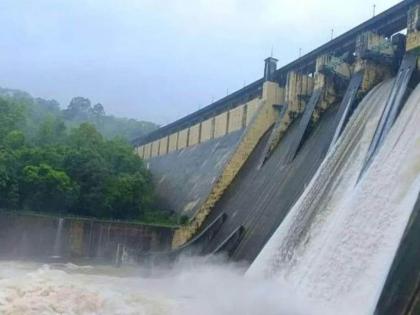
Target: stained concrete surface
(184, 178)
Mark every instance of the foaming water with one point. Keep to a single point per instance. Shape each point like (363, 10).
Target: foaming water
(192, 287)
(338, 242)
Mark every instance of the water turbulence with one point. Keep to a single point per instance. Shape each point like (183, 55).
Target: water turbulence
(191, 287)
(338, 242)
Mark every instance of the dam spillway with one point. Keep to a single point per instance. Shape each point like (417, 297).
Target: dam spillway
(298, 194)
(342, 249)
(274, 174)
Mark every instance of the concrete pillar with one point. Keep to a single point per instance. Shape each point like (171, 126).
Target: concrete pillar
(273, 93)
(207, 129)
(413, 29)
(374, 57)
(173, 142)
(220, 125)
(140, 151)
(194, 136)
(270, 67)
(235, 118)
(183, 138)
(147, 150)
(163, 146)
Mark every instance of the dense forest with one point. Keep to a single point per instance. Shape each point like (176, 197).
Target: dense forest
(57, 161)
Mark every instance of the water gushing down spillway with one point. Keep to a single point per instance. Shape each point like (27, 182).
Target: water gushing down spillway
(338, 242)
(331, 254)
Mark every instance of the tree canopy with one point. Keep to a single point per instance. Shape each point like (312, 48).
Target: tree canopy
(51, 167)
(79, 110)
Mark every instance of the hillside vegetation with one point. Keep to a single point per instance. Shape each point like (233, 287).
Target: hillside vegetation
(57, 161)
(79, 110)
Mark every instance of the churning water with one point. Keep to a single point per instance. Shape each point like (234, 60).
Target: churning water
(191, 288)
(337, 244)
(331, 254)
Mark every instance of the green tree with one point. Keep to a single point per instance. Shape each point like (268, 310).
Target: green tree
(44, 167)
(47, 189)
(14, 140)
(86, 136)
(129, 196)
(9, 180)
(11, 115)
(98, 110)
(51, 131)
(79, 108)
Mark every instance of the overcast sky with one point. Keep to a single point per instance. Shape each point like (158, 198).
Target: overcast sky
(159, 59)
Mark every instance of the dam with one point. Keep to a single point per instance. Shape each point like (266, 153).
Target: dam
(299, 193)
(271, 170)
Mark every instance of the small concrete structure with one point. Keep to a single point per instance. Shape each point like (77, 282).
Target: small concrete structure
(79, 238)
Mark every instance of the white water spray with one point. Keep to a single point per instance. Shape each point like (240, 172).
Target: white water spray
(192, 287)
(338, 242)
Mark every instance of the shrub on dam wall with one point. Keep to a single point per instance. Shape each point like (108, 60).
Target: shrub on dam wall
(74, 171)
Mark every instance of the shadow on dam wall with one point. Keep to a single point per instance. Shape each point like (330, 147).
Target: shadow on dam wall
(259, 199)
(37, 236)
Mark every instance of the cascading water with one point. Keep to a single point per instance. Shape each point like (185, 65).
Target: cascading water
(338, 242)
(331, 255)
(192, 287)
(58, 239)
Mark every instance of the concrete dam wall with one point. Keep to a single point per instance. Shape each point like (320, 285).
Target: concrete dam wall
(184, 178)
(259, 198)
(270, 186)
(338, 241)
(36, 236)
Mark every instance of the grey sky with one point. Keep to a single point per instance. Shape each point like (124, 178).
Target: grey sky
(159, 59)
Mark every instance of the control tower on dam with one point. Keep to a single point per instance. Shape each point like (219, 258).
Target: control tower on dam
(237, 167)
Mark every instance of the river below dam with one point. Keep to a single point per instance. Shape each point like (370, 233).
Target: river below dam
(190, 288)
